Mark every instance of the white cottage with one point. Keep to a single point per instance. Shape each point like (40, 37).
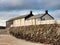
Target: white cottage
(29, 19)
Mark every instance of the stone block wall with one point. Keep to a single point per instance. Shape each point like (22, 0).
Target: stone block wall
(47, 33)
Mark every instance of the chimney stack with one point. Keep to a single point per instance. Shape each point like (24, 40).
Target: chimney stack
(30, 12)
(46, 11)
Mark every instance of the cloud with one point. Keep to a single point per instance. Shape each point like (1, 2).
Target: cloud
(11, 14)
(53, 4)
(13, 8)
(11, 2)
(8, 5)
(55, 14)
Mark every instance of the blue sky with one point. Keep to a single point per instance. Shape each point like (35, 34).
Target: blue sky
(13, 8)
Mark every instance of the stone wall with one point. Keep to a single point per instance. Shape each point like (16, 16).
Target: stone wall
(48, 33)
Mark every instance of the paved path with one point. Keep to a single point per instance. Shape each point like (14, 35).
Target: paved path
(6, 39)
(4, 31)
(10, 40)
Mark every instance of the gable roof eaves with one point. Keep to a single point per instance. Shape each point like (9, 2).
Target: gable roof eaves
(23, 16)
(48, 14)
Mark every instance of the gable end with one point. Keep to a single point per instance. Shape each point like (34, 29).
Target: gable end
(48, 15)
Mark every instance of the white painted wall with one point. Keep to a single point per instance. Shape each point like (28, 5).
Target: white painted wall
(23, 22)
(18, 22)
(47, 22)
(38, 20)
(47, 17)
(28, 22)
(33, 21)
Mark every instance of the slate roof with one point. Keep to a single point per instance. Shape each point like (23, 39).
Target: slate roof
(39, 16)
(36, 16)
(19, 17)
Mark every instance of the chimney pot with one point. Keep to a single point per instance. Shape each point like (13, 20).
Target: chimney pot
(30, 12)
(46, 12)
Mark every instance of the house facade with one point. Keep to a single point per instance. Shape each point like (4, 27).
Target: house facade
(29, 19)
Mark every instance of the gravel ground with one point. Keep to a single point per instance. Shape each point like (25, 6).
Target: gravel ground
(10, 40)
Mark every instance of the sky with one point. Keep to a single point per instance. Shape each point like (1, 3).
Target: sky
(13, 8)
